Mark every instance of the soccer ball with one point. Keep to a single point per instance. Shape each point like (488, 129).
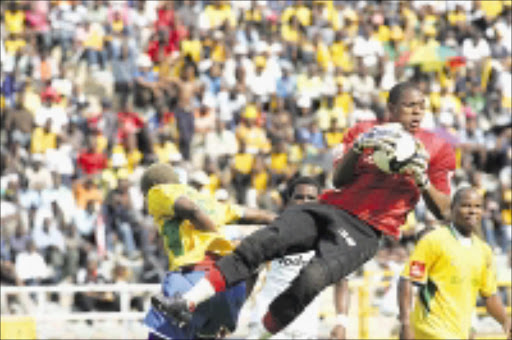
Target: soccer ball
(405, 147)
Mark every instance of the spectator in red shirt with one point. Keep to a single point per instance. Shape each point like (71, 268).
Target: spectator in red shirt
(177, 33)
(90, 161)
(159, 47)
(128, 122)
(165, 16)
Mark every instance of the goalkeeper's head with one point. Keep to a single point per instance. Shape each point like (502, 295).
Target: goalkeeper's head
(406, 104)
(157, 173)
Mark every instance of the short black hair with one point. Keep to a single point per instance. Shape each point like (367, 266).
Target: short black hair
(459, 193)
(399, 89)
(301, 180)
(157, 173)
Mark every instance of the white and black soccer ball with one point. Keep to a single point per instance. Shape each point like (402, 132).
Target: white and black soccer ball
(404, 148)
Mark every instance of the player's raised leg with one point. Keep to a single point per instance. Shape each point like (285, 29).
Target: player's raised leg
(294, 231)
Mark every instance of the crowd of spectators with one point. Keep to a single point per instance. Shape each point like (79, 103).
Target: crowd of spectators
(240, 96)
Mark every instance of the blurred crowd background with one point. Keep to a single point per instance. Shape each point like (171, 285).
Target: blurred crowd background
(241, 97)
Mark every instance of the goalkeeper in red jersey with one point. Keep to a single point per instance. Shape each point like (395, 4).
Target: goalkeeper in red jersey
(346, 226)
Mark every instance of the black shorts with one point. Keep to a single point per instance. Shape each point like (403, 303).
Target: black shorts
(341, 240)
(344, 241)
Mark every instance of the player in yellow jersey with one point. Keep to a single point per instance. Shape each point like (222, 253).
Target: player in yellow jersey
(451, 265)
(192, 228)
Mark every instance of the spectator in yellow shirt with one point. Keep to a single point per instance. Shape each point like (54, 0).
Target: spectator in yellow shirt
(343, 100)
(278, 163)
(164, 148)
(252, 135)
(14, 18)
(241, 168)
(457, 17)
(93, 45)
(220, 13)
(14, 43)
(323, 55)
(338, 51)
(299, 10)
(43, 138)
(334, 136)
(259, 176)
(291, 31)
(192, 46)
(131, 152)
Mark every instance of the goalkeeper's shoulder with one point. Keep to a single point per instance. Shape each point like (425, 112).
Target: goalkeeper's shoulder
(360, 127)
(437, 147)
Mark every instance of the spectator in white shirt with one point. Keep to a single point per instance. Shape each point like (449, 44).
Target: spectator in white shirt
(229, 103)
(56, 113)
(262, 84)
(476, 48)
(220, 143)
(504, 29)
(368, 47)
(505, 78)
(38, 177)
(362, 84)
(61, 194)
(48, 236)
(239, 60)
(60, 160)
(30, 266)
(86, 220)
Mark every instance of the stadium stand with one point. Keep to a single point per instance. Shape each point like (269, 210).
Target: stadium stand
(240, 96)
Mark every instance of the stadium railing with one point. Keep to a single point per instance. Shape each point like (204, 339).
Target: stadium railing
(364, 288)
(13, 324)
(125, 292)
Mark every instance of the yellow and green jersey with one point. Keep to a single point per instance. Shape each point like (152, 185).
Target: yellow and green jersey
(184, 244)
(450, 275)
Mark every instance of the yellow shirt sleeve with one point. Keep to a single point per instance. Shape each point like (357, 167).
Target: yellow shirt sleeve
(421, 261)
(234, 212)
(160, 203)
(488, 284)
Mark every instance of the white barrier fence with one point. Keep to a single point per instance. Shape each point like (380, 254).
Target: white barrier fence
(125, 291)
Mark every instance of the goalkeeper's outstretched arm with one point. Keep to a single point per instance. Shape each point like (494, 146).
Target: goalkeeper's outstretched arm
(344, 169)
(437, 202)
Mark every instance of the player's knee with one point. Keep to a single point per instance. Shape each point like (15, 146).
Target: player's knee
(258, 248)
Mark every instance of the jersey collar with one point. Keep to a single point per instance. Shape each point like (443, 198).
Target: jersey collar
(459, 237)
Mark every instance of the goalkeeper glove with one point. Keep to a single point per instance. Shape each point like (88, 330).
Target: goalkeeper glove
(417, 166)
(376, 138)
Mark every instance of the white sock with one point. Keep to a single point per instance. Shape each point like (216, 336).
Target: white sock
(264, 335)
(202, 291)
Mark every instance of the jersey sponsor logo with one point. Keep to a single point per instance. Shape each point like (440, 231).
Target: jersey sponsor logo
(348, 239)
(292, 261)
(417, 270)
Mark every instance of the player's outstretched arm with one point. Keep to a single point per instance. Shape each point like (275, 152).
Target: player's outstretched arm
(404, 306)
(344, 169)
(187, 209)
(496, 309)
(437, 202)
(341, 305)
(257, 216)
